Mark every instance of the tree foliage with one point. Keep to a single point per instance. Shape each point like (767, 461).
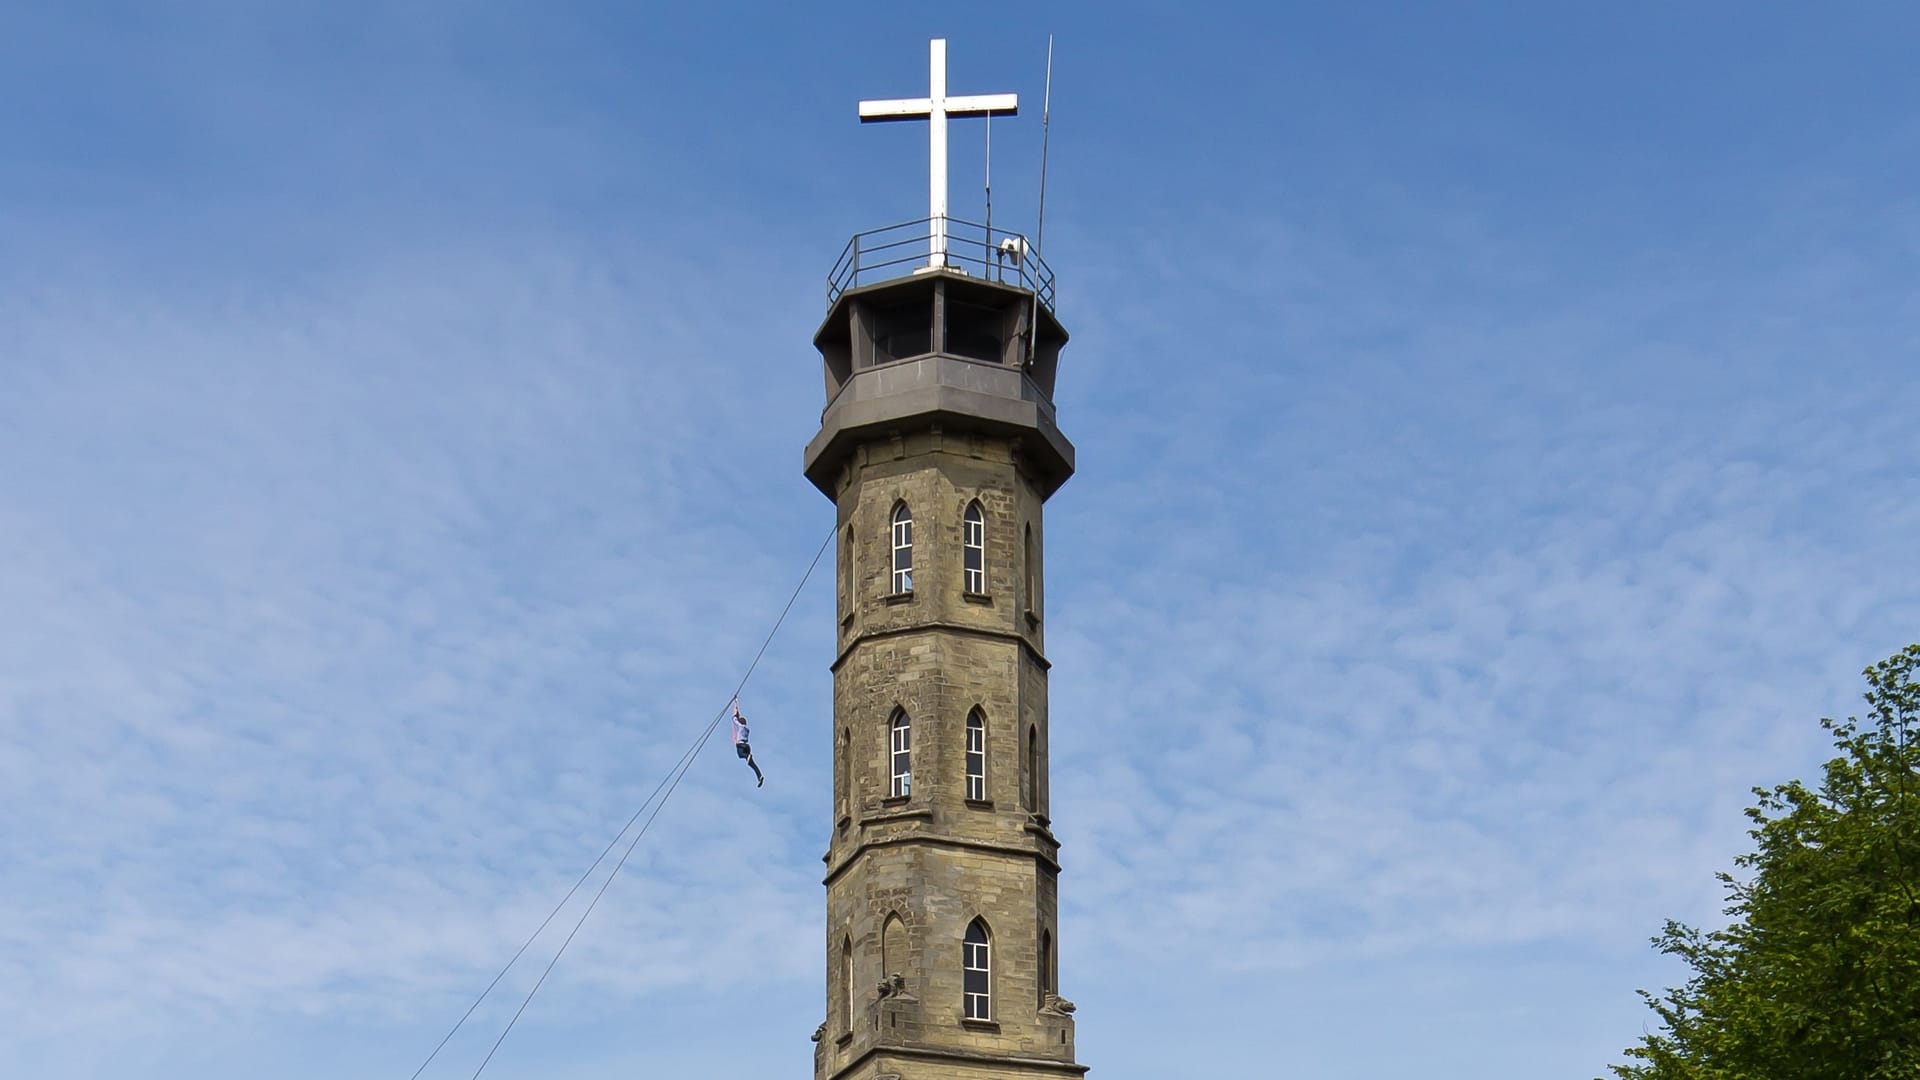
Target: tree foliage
(1818, 976)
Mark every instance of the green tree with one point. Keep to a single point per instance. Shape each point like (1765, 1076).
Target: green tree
(1818, 976)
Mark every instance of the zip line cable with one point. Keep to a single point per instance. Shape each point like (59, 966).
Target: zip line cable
(686, 763)
(541, 929)
(668, 782)
(679, 773)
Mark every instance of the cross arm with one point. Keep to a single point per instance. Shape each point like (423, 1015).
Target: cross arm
(984, 105)
(895, 109)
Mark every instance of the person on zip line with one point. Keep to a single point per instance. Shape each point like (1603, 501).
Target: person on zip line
(742, 749)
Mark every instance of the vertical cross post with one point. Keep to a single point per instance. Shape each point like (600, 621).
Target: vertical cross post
(935, 108)
(937, 151)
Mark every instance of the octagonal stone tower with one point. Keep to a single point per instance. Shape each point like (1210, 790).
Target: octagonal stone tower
(938, 447)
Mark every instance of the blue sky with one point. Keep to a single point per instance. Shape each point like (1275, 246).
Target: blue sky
(1496, 446)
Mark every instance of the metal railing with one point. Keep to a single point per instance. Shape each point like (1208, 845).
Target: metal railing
(989, 253)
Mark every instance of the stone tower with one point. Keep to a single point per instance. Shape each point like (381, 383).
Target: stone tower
(938, 447)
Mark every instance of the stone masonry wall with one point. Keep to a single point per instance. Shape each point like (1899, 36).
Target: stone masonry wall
(906, 875)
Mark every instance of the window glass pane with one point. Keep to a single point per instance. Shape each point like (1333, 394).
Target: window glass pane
(901, 746)
(975, 954)
(902, 549)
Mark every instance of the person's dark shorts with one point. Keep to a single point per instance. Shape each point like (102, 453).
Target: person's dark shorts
(742, 751)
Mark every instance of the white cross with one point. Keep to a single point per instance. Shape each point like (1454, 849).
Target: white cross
(935, 108)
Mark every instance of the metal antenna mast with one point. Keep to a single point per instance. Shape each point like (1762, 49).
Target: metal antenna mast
(989, 179)
(1046, 131)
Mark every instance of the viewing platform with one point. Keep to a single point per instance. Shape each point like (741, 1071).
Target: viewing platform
(972, 249)
(948, 330)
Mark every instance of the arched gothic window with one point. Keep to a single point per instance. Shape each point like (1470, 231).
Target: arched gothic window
(846, 978)
(893, 945)
(973, 537)
(977, 964)
(1031, 599)
(900, 747)
(850, 593)
(1046, 964)
(1030, 782)
(902, 549)
(843, 765)
(976, 756)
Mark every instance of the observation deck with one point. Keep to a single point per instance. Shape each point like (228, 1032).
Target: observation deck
(969, 344)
